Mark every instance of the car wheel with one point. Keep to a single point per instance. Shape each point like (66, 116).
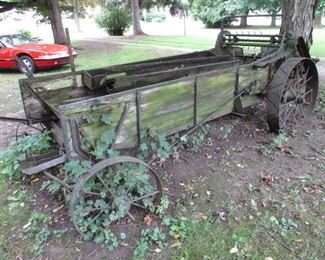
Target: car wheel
(29, 62)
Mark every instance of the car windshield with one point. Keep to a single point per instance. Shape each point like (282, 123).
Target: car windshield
(14, 40)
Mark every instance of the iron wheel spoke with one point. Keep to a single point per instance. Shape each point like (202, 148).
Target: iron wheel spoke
(145, 196)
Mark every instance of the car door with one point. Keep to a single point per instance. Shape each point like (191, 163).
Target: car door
(6, 56)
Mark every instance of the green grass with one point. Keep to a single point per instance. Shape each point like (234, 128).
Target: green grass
(89, 58)
(207, 42)
(187, 42)
(12, 242)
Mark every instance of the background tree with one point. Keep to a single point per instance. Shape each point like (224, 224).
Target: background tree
(49, 9)
(298, 18)
(136, 18)
(319, 13)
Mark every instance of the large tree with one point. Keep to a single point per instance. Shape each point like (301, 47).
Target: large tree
(298, 18)
(50, 9)
(136, 18)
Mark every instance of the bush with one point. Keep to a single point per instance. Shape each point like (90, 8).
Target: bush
(115, 21)
(211, 12)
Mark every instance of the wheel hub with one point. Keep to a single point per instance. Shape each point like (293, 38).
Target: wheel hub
(300, 100)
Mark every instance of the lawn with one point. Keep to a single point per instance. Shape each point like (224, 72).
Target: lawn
(91, 55)
(207, 42)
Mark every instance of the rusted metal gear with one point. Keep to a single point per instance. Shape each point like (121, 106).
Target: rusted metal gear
(100, 189)
(292, 93)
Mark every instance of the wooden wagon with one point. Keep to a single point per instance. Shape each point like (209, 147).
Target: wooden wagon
(112, 106)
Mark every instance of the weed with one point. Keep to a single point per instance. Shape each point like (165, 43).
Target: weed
(28, 145)
(196, 140)
(18, 200)
(147, 239)
(37, 229)
(154, 145)
(277, 142)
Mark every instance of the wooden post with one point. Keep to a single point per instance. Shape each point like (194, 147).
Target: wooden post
(73, 68)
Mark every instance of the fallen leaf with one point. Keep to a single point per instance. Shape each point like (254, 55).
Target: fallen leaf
(234, 250)
(27, 225)
(208, 192)
(177, 237)
(268, 178)
(148, 220)
(157, 250)
(174, 245)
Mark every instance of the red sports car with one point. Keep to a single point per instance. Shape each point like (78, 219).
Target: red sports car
(35, 55)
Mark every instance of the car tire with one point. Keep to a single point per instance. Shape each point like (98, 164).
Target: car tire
(29, 62)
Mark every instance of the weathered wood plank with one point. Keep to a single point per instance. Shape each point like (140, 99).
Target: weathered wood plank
(168, 107)
(215, 93)
(253, 79)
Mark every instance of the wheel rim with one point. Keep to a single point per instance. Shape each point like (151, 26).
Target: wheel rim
(292, 94)
(97, 201)
(28, 64)
(295, 101)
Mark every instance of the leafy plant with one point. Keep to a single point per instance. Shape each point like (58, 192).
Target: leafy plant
(154, 145)
(148, 238)
(115, 20)
(72, 171)
(277, 142)
(37, 229)
(196, 140)
(19, 200)
(28, 145)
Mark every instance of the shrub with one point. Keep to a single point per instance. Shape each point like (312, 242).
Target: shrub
(115, 21)
(211, 12)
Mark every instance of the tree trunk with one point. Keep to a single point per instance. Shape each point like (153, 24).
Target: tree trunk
(318, 21)
(136, 18)
(76, 14)
(56, 22)
(243, 21)
(298, 18)
(273, 22)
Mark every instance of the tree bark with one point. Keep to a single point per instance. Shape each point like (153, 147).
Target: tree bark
(318, 20)
(136, 18)
(56, 22)
(76, 14)
(243, 21)
(273, 21)
(298, 18)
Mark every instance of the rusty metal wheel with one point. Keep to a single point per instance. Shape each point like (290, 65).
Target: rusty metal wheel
(292, 94)
(109, 193)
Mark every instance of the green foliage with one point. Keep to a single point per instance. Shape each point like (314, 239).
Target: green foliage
(115, 20)
(37, 229)
(177, 227)
(163, 206)
(25, 33)
(19, 200)
(72, 171)
(210, 12)
(277, 142)
(154, 145)
(282, 225)
(147, 239)
(197, 139)
(28, 145)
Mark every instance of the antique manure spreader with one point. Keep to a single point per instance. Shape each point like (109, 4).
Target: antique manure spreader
(108, 109)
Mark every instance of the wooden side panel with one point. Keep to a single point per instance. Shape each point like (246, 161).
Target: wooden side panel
(253, 79)
(168, 107)
(112, 117)
(215, 93)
